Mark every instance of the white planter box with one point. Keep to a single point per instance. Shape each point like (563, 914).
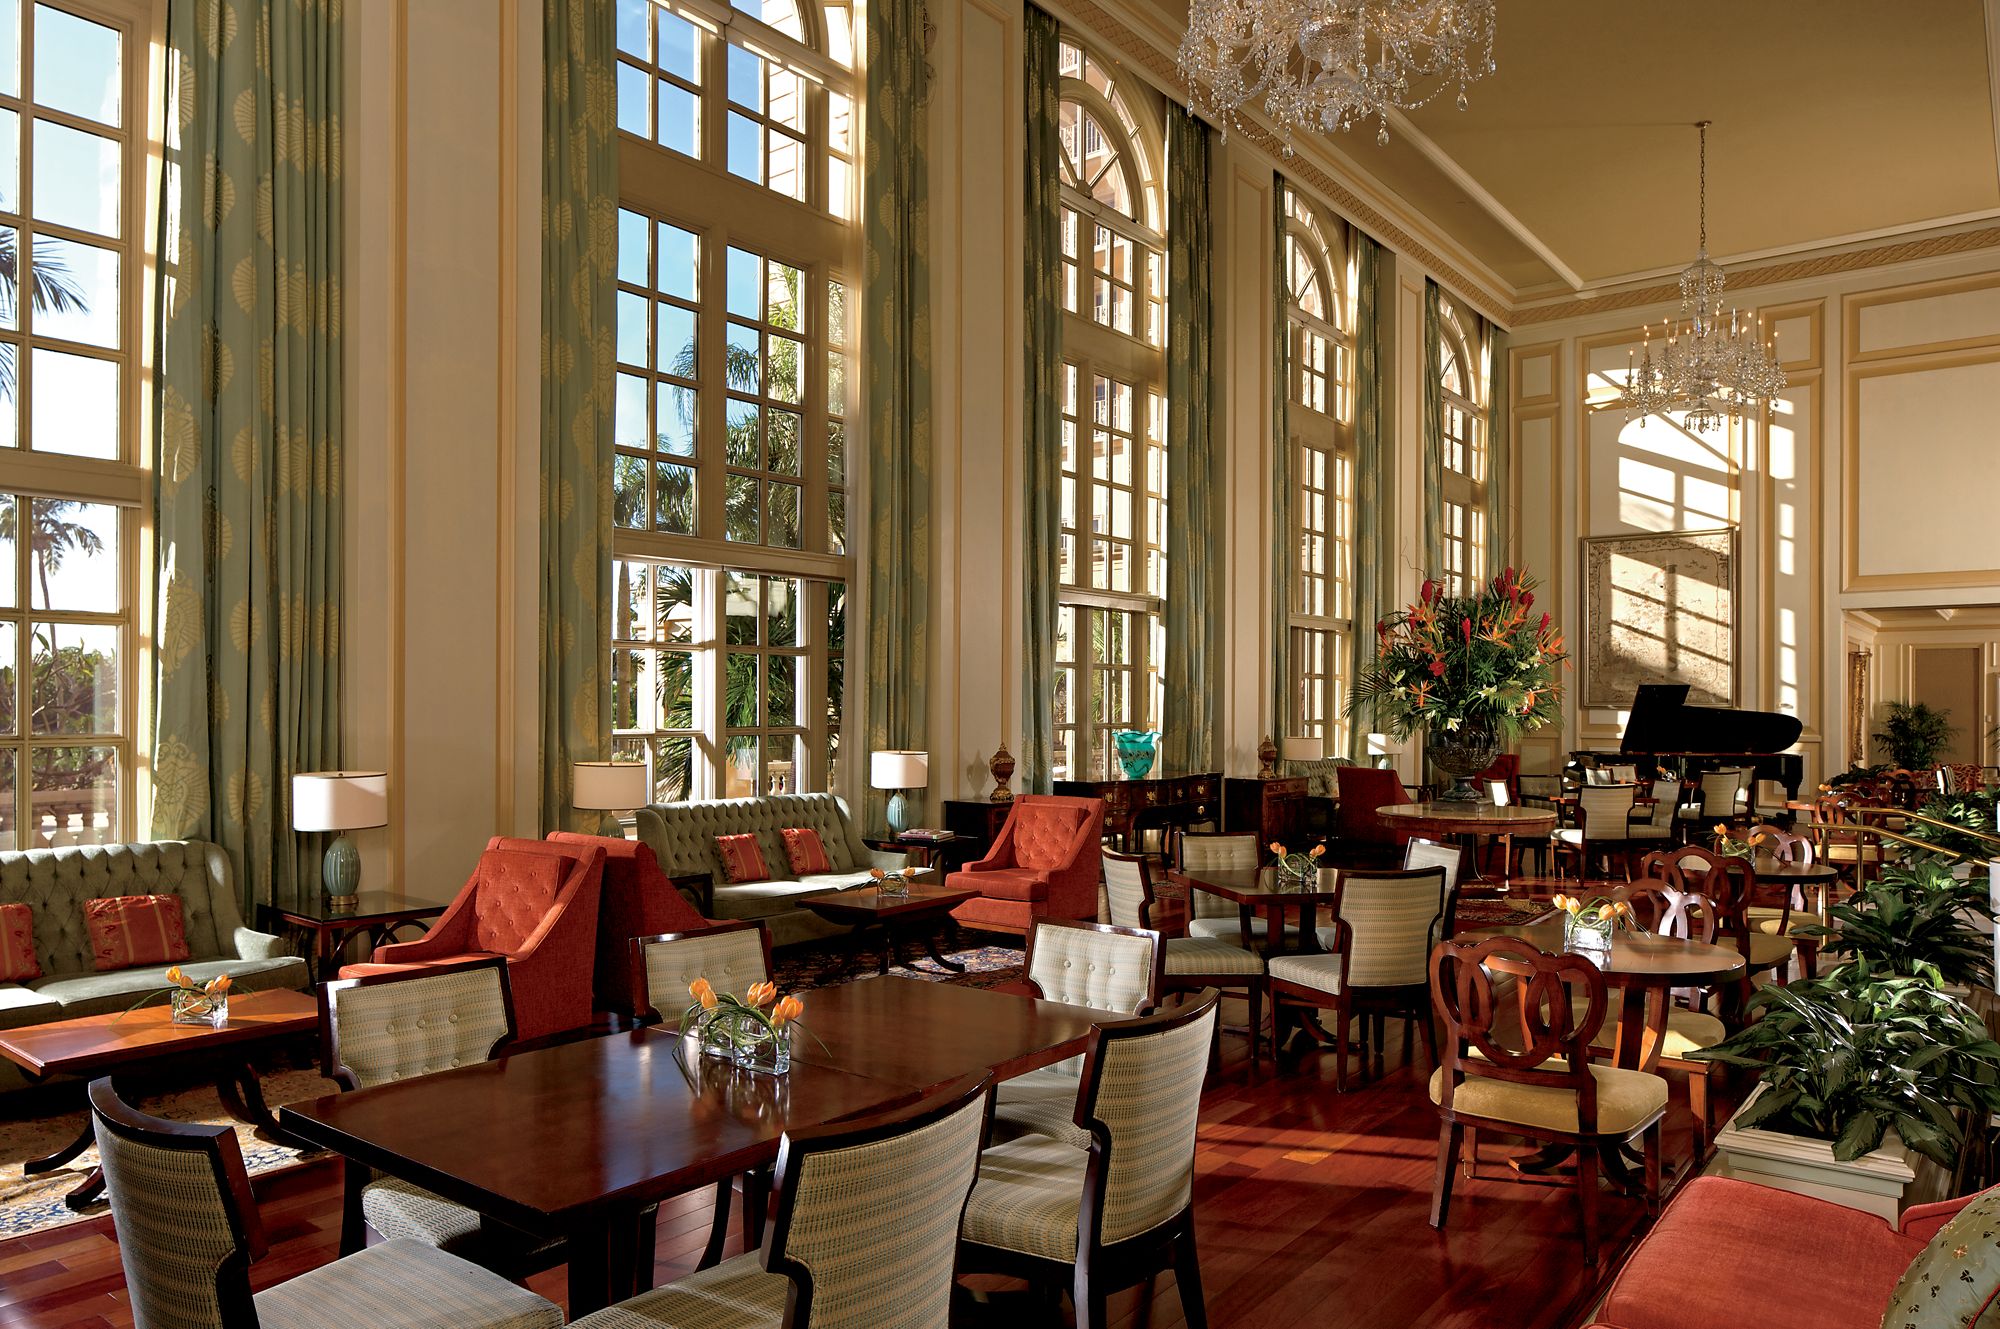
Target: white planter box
(1879, 1183)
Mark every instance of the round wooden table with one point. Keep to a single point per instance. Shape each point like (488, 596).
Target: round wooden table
(1469, 821)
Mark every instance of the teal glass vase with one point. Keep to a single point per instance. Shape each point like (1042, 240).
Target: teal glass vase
(1137, 749)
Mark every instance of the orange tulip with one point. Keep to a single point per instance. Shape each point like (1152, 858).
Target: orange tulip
(702, 992)
(1277, 849)
(177, 978)
(217, 985)
(1317, 850)
(760, 994)
(877, 873)
(787, 1011)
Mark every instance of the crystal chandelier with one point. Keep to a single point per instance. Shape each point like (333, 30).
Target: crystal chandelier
(1325, 64)
(1711, 370)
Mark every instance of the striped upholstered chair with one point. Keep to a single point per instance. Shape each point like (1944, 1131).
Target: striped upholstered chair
(188, 1231)
(398, 1025)
(733, 957)
(1209, 915)
(1107, 968)
(1376, 959)
(1115, 1213)
(1191, 963)
(864, 1234)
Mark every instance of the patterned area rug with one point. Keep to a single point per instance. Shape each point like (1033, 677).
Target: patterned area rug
(30, 1204)
(824, 964)
(1502, 912)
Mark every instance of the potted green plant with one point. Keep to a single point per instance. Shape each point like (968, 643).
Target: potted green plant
(1916, 917)
(1472, 672)
(1973, 811)
(1915, 734)
(1862, 1073)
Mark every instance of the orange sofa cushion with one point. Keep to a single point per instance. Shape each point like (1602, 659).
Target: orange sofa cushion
(1043, 834)
(517, 891)
(18, 962)
(1005, 883)
(742, 859)
(804, 851)
(129, 930)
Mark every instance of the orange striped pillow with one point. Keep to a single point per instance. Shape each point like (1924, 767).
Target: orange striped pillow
(129, 930)
(742, 860)
(804, 850)
(18, 963)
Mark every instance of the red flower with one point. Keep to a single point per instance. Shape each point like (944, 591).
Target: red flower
(1430, 589)
(1437, 669)
(1528, 600)
(1465, 625)
(1545, 624)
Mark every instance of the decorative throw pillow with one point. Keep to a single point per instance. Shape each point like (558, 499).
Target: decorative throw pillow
(804, 851)
(1955, 1280)
(17, 944)
(129, 930)
(742, 859)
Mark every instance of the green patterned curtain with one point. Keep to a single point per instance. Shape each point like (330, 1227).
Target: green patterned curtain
(1283, 527)
(247, 498)
(895, 293)
(1374, 480)
(1188, 741)
(1041, 535)
(579, 260)
(1433, 430)
(1499, 451)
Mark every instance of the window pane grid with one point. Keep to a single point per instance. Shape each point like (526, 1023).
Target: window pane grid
(767, 367)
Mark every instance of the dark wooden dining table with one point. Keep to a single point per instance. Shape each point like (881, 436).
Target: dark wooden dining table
(1260, 892)
(579, 1140)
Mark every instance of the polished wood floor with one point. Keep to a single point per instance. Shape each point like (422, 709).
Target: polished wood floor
(1311, 1207)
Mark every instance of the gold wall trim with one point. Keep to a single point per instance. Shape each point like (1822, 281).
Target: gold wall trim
(1854, 260)
(1854, 305)
(1114, 32)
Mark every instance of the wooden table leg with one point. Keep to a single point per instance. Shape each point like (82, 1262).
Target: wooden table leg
(50, 1162)
(888, 947)
(243, 1098)
(931, 947)
(590, 1264)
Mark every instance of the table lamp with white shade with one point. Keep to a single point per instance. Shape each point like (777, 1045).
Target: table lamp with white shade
(1379, 751)
(340, 801)
(608, 786)
(1302, 749)
(899, 772)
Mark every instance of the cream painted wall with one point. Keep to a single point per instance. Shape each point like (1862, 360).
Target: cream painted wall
(1844, 500)
(1902, 641)
(443, 257)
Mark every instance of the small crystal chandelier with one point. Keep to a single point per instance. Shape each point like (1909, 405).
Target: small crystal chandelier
(1710, 370)
(1326, 64)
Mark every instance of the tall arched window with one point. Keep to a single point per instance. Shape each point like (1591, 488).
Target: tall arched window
(1110, 633)
(737, 194)
(1320, 420)
(1463, 360)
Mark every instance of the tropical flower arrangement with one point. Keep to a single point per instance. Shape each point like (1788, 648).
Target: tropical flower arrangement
(192, 1002)
(1482, 662)
(753, 1030)
(1298, 867)
(1588, 924)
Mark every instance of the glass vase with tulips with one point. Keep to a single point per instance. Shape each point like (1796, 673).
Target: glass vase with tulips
(191, 1002)
(754, 1030)
(1299, 871)
(1589, 924)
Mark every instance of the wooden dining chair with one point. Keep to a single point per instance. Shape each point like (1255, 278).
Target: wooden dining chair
(189, 1230)
(734, 957)
(1118, 970)
(386, 1027)
(1541, 1085)
(1602, 825)
(864, 1229)
(1117, 1211)
(1208, 914)
(1422, 853)
(1731, 884)
(1784, 911)
(1376, 962)
(1189, 964)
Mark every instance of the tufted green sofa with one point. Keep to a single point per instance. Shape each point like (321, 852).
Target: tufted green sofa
(56, 882)
(682, 837)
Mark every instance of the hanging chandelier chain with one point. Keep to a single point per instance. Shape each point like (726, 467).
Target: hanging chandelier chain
(1703, 127)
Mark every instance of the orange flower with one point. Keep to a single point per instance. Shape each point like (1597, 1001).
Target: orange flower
(177, 978)
(1317, 850)
(787, 1011)
(217, 985)
(703, 992)
(1277, 848)
(877, 873)
(760, 994)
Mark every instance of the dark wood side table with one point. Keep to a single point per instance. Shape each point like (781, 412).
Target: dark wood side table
(129, 1042)
(976, 822)
(1275, 808)
(379, 915)
(943, 852)
(924, 909)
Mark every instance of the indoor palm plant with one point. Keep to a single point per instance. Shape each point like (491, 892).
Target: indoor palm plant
(1471, 671)
(1915, 734)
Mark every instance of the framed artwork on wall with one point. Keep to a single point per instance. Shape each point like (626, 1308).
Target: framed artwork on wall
(1660, 608)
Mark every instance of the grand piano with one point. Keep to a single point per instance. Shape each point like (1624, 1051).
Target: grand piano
(1665, 731)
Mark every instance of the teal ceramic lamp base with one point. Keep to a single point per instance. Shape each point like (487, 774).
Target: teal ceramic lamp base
(899, 813)
(340, 874)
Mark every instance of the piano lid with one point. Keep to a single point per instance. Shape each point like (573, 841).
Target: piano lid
(1663, 722)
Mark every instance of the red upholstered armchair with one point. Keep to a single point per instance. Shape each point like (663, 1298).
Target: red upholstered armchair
(1043, 865)
(1361, 835)
(638, 900)
(534, 902)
